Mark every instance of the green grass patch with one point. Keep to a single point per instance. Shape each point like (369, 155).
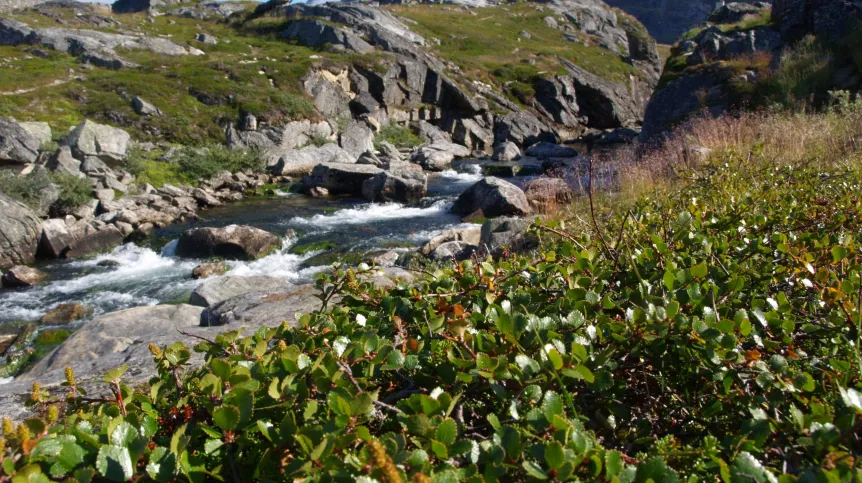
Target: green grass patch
(398, 135)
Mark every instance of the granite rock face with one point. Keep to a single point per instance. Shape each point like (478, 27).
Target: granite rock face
(234, 242)
(19, 232)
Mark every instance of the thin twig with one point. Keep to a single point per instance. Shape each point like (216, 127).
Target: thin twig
(347, 370)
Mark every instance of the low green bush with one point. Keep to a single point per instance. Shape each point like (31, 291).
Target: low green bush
(195, 163)
(74, 192)
(710, 335)
(27, 189)
(398, 135)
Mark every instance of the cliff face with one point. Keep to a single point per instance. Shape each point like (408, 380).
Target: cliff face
(667, 20)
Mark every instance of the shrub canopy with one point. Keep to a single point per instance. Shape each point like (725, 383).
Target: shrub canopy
(711, 335)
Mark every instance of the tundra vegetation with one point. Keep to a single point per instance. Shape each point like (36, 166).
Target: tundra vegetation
(708, 329)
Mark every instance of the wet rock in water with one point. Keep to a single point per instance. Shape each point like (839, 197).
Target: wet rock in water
(494, 197)
(341, 178)
(507, 151)
(108, 264)
(220, 289)
(17, 144)
(61, 240)
(405, 184)
(263, 308)
(234, 242)
(65, 313)
(19, 232)
(22, 276)
(205, 270)
(438, 156)
(467, 235)
(205, 198)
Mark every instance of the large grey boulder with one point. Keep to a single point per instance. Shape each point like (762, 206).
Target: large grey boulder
(357, 138)
(469, 236)
(40, 130)
(17, 145)
(233, 242)
(402, 183)
(453, 250)
(118, 338)
(545, 193)
(506, 234)
(494, 197)
(220, 289)
(104, 143)
(263, 308)
(430, 132)
(314, 33)
(62, 240)
(19, 232)
(439, 155)
(330, 98)
(341, 178)
(297, 162)
(521, 128)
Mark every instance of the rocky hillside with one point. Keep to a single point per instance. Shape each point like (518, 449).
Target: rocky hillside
(751, 57)
(667, 20)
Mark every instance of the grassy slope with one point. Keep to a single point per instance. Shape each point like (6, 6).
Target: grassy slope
(486, 46)
(236, 72)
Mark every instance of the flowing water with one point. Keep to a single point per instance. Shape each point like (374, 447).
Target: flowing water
(148, 274)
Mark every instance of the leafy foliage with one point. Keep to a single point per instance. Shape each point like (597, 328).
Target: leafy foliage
(74, 192)
(27, 188)
(398, 135)
(714, 336)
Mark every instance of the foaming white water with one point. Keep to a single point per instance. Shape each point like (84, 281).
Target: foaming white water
(283, 194)
(425, 235)
(140, 277)
(473, 175)
(6, 380)
(370, 213)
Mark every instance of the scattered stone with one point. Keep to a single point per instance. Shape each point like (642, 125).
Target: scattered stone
(205, 270)
(22, 276)
(453, 250)
(144, 108)
(206, 39)
(438, 156)
(544, 193)
(234, 242)
(65, 313)
(494, 197)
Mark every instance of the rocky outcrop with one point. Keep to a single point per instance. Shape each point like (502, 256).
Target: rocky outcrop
(234, 242)
(401, 183)
(357, 139)
(341, 178)
(18, 146)
(19, 232)
(92, 46)
(292, 135)
(220, 289)
(62, 240)
(9, 5)
(667, 20)
(315, 33)
(521, 128)
(132, 6)
(550, 150)
(494, 197)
